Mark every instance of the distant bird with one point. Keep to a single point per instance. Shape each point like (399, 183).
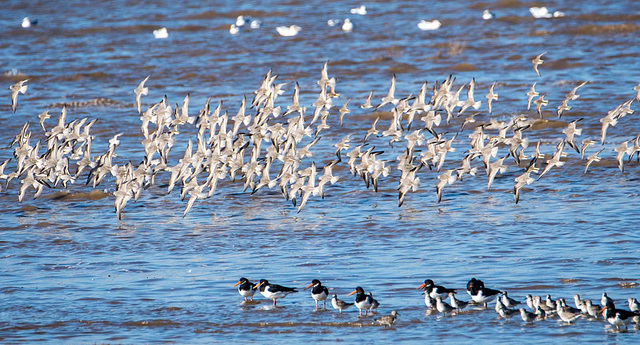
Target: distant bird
(540, 12)
(15, 88)
(27, 23)
(536, 62)
(541, 102)
(319, 292)
(339, 304)
(234, 29)
(161, 33)
(486, 15)
(429, 25)
(255, 24)
(246, 289)
(367, 103)
(273, 291)
(347, 25)
(387, 320)
(141, 90)
(361, 10)
(288, 31)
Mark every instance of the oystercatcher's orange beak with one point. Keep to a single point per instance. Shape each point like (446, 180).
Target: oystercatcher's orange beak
(310, 285)
(421, 286)
(352, 292)
(602, 310)
(257, 285)
(238, 283)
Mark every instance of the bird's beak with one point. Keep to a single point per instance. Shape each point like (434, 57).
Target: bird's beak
(238, 283)
(310, 285)
(352, 292)
(602, 310)
(257, 285)
(421, 286)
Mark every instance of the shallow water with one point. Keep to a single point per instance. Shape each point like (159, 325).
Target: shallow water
(72, 273)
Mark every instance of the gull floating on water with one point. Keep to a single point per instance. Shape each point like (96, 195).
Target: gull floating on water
(288, 31)
(241, 20)
(361, 10)
(27, 23)
(429, 26)
(347, 25)
(161, 33)
(255, 24)
(543, 12)
(486, 15)
(333, 22)
(234, 29)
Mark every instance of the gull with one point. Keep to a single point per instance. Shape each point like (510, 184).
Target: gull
(532, 93)
(347, 25)
(15, 88)
(27, 23)
(571, 131)
(390, 97)
(429, 26)
(255, 24)
(234, 29)
(361, 10)
(540, 102)
(344, 110)
(537, 61)
(593, 158)
(141, 90)
(486, 15)
(540, 12)
(288, 31)
(491, 96)
(161, 33)
(387, 320)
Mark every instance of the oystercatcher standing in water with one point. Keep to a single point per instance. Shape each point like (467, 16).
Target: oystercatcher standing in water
(319, 293)
(273, 291)
(246, 289)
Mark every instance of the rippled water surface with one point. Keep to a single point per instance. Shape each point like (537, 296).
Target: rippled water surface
(73, 273)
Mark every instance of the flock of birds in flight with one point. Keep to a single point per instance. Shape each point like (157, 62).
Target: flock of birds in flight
(435, 296)
(249, 146)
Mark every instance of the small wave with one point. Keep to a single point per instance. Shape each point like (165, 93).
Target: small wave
(592, 29)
